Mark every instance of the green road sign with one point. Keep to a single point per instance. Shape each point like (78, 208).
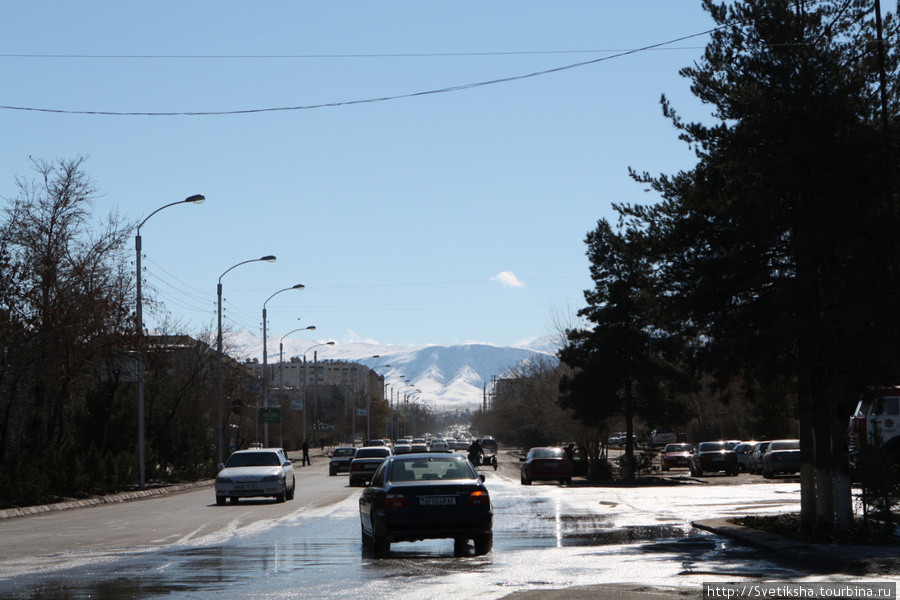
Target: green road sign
(270, 415)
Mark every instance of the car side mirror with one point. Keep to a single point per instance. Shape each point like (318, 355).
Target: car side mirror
(521, 459)
(287, 463)
(482, 476)
(220, 466)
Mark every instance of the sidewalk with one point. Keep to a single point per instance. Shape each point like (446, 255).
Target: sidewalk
(816, 559)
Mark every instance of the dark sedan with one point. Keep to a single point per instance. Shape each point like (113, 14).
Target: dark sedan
(341, 459)
(546, 464)
(426, 496)
(714, 456)
(364, 463)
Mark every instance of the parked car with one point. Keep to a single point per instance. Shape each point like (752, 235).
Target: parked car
(661, 437)
(366, 461)
(341, 459)
(260, 472)
(756, 457)
(676, 455)
(783, 456)
(619, 438)
(744, 450)
(426, 496)
(712, 457)
(546, 464)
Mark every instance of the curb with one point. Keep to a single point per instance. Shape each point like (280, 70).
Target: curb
(848, 559)
(26, 511)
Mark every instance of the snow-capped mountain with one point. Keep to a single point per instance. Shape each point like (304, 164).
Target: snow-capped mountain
(447, 376)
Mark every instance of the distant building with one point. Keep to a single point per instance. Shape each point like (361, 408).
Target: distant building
(327, 373)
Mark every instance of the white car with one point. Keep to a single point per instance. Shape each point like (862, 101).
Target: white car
(439, 445)
(260, 472)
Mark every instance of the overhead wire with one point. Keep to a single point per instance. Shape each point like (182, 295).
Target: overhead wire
(444, 90)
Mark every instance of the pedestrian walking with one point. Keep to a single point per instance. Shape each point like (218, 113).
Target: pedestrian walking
(305, 453)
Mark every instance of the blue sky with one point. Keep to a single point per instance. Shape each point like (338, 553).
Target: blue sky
(429, 218)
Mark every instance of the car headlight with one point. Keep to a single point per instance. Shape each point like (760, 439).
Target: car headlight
(224, 480)
(270, 478)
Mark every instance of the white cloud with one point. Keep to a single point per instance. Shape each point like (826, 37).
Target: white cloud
(509, 279)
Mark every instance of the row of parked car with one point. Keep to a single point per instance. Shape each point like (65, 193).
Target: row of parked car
(768, 458)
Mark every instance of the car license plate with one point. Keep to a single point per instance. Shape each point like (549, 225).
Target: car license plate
(550, 465)
(437, 501)
(369, 467)
(244, 487)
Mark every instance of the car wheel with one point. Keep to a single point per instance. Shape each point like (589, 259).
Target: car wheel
(381, 546)
(290, 494)
(525, 480)
(484, 543)
(234, 499)
(734, 472)
(332, 472)
(767, 474)
(281, 497)
(460, 547)
(220, 500)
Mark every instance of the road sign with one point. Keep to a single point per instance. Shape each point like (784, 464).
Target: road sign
(270, 415)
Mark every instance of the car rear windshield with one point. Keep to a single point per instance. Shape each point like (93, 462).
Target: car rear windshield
(345, 452)
(429, 469)
(785, 445)
(548, 453)
(254, 459)
(711, 446)
(372, 453)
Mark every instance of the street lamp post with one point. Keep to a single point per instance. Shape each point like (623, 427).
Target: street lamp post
(265, 374)
(368, 400)
(281, 373)
(139, 321)
(219, 375)
(316, 380)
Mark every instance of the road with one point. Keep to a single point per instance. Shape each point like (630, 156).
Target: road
(546, 538)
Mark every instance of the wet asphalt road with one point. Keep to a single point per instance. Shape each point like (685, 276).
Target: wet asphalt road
(546, 537)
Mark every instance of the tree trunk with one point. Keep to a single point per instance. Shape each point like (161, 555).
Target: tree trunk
(807, 458)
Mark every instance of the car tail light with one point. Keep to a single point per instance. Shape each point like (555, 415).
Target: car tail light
(479, 498)
(395, 501)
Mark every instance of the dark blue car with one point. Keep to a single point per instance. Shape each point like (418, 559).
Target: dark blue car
(426, 496)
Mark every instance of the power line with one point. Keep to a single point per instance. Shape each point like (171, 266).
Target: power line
(328, 56)
(445, 90)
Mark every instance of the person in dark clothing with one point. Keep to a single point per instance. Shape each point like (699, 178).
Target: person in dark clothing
(570, 451)
(305, 454)
(475, 453)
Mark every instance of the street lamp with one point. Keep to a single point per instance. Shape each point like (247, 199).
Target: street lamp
(265, 374)
(369, 398)
(316, 381)
(220, 376)
(281, 370)
(139, 321)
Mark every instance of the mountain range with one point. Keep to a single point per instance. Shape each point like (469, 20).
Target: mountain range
(445, 376)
